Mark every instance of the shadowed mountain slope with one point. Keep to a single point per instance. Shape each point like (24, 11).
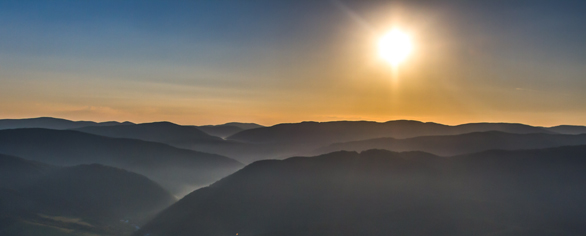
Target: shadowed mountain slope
(377, 192)
(99, 191)
(176, 169)
(15, 171)
(448, 145)
(53, 123)
(53, 197)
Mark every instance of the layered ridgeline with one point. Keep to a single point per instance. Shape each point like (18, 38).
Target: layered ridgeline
(340, 131)
(186, 137)
(377, 192)
(284, 140)
(53, 123)
(227, 129)
(189, 137)
(448, 145)
(162, 132)
(170, 133)
(178, 170)
(568, 129)
(39, 199)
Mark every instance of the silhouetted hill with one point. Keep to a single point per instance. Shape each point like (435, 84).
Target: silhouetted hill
(176, 169)
(15, 171)
(221, 131)
(162, 132)
(342, 131)
(99, 192)
(227, 129)
(503, 127)
(244, 125)
(92, 198)
(448, 145)
(189, 137)
(568, 129)
(377, 192)
(52, 123)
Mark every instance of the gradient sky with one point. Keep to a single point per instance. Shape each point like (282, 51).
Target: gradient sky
(268, 61)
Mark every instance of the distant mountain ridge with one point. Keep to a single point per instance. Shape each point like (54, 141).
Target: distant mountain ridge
(283, 140)
(340, 131)
(228, 129)
(162, 132)
(244, 125)
(53, 123)
(568, 129)
(377, 192)
(449, 145)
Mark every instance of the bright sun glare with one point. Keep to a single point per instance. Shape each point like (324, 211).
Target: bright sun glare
(395, 46)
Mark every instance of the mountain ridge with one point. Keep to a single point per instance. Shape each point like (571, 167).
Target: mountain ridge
(449, 145)
(53, 123)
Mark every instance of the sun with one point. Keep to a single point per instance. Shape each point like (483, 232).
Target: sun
(395, 47)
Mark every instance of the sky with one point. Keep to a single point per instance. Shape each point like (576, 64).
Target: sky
(268, 62)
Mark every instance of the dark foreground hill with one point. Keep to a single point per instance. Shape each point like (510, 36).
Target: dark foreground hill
(448, 145)
(376, 192)
(85, 198)
(52, 123)
(97, 191)
(15, 171)
(178, 170)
